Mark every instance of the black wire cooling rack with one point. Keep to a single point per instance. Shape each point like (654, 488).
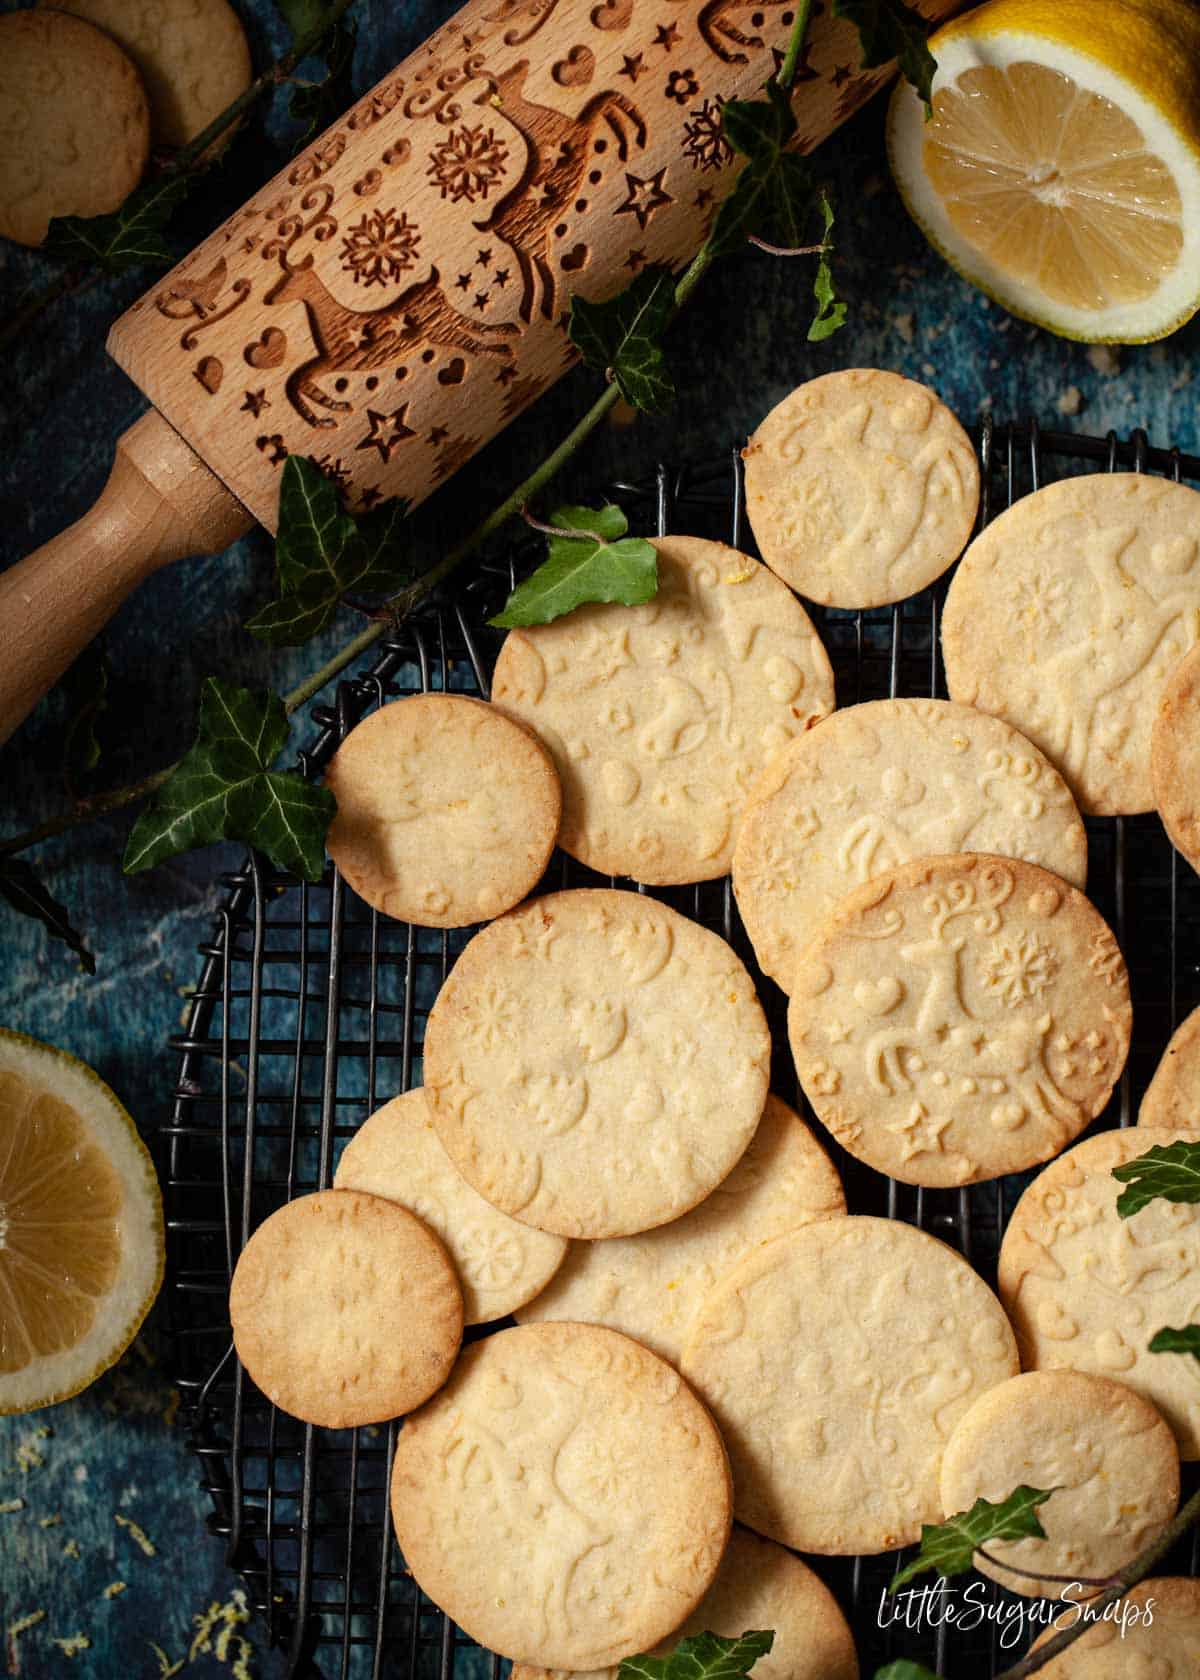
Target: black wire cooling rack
(310, 1013)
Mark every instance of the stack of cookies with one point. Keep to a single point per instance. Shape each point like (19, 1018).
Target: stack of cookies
(704, 1334)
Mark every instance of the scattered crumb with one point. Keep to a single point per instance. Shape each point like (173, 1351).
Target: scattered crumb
(228, 1645)
(742, 576)
(9, 1505)
(905, 326)
(50, 1522)
(80, 1472)
(1069, 401)
(166, 1668)
(114, 1589)
(928, 369)
(29, 1454)
(73, 1644)
(1104, 358)
(136, 1533)
(71, 1549)
(14, 1632)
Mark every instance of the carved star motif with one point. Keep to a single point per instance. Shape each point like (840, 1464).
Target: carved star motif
(464, 282)
(704, 198)
(645, 196)
(841, 75)
(920, 1133)
(255, 402)
(633, 67)
(500, 278)
(484, 258)
(360, 335)
(439, 434)
(635, 259)
(387, 431)
(368, 496)
(666, 36)
(506, 375)
(837, 1032)
(481, 300)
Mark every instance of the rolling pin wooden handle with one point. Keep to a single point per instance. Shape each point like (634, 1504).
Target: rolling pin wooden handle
(161, 503)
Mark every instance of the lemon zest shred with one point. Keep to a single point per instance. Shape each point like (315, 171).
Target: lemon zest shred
(73, 1644)
(71, 1549)
(114, 1589)
(29, 1455)
(167, 1670)
(223, 1621)
(8, 1506)
(50, 1522)
(136, 1533)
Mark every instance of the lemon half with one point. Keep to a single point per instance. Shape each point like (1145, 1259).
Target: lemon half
(1060, 172)
(81, 1227)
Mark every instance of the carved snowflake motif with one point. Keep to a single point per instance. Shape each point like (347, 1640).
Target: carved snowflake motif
(703, 140)
(491, 1258)
(1042, 598)
(336, 471)
(607, 1470)
(493, 1016)
(1019, 968)
(468, 163)
(380, 248)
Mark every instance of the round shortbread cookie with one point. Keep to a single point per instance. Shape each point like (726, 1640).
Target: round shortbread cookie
(660, 716)
(837, 1361)
(876, 785)
(1172, 1099)
(1068, 614)
(345, 1309)
(596, 1063)
(1086, 1290)
(501, 1264)
(75, 122)
(959, 1018)
(1175, 757)
(861, 488)
(759, 1585)
(1107, 1452)
(447, 810)
(192, 55)
(651, 1286)
(1153, 1634)
(565, 1499)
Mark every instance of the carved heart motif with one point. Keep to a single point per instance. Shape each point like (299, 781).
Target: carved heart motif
(453, 373)
(269, 351)
(612, 14)
(577, 69)
(878, 997)
(210, 372)
(575, 259)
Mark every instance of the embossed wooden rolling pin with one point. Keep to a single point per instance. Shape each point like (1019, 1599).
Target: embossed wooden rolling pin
(398, 294)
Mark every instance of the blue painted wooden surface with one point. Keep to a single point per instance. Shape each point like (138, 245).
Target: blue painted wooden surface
(739, 349)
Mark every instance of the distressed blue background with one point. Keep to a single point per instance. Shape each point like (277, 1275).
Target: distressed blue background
(739, 349)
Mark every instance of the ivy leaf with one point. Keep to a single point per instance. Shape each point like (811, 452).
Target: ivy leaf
(127, 237)
(625, 335)
(889, 29)
(85, 686)
(302, 16)
(831, 309)
(322, 552)
(1186, 1340)
(1171, 1171)
(321, 103)
(906, 1669)
(774, 191)
(21, 888)
(595, 562)
(707, 1656)
(949, 1547)
(225, 789)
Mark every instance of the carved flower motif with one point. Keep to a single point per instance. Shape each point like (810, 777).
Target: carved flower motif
(490, 1258)
(605, 1470)
(682, 86)
(1019, 968)
(1042, 598)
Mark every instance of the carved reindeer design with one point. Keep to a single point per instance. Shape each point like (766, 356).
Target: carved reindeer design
(558, 149)
(361, 340)
(722, 36)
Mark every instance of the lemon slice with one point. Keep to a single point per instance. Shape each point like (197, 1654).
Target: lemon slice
(1060, 171)
(81, 1230)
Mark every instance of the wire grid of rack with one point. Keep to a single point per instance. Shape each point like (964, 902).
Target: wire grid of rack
(310, 1013)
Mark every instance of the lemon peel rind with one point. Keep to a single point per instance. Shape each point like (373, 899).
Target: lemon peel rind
(57, 1376)
(1141, 322)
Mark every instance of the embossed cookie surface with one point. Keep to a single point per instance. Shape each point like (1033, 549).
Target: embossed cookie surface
(345, 1309)
(596, 1063)
(501, 1264)
(1067, 616)
(1086, 1289)
(660, 716)
(877, 784)
(191, 54)
(447, 810)
(959, 1018)
(760, 1585)
(1175, 757)
(1172, 1098)
(651, 1285)
(1158, 1636)
(74, 120)
(861, 488)
(565, 1499)
(1106, 1451)
(837, 1360)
